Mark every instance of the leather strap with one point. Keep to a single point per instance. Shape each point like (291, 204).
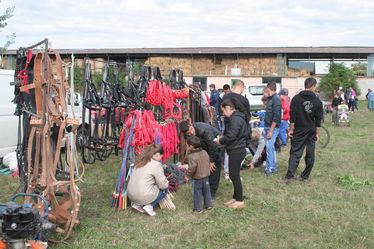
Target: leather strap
(38, 82)
(43, 154)
(157, 73)
(27, 87)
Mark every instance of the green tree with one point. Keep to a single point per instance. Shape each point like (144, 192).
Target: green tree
(339, 76)
(8, 13)
(78, 79)
(97, 77)
(359, 69)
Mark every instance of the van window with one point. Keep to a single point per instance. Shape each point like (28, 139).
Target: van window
(256, 90)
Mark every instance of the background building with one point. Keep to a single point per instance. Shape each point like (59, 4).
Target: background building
(288, 66)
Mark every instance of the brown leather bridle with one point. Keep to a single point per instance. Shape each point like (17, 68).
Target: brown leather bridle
(49, 127)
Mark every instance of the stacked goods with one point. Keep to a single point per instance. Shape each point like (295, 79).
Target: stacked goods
(182, 62)
(167, 202)
(203, 65)
(208, 65)
(292, 72)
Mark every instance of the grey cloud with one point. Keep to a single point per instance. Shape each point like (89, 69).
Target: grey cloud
(167, 23)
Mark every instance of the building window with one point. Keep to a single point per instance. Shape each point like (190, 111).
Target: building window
(201, 80)
(266, 80)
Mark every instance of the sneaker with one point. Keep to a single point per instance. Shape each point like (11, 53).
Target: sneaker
(228, 203)
(149, 210)
(198, 211)
(268, 173)
(303, 179)
(288, 180)
(227, 177)
(138, 208)
(237, 205)
(274, 171)
(209, 208)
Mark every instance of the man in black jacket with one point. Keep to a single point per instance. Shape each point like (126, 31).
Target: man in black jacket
(272, 122)
(305, 117)
(207, 134)
(236, 93)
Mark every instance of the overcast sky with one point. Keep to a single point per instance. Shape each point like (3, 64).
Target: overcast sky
(167, 23)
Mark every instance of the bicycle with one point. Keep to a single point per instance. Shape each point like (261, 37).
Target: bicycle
(324, 139)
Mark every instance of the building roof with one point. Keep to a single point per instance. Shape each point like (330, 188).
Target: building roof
(291, 52)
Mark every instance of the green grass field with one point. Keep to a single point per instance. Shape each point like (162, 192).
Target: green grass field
(317, 214)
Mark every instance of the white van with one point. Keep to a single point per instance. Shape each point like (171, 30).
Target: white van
(254, 93)
(8, 121)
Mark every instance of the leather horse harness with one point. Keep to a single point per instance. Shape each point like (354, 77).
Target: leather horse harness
(47, 154)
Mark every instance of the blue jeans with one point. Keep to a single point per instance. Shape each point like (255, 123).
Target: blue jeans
(159, 197)
(271, 156)
(201, 188)
(283, 132)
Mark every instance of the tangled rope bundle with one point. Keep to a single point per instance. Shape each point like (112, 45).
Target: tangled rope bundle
(160, 94)
(180, 94)
(145, 124)
(154, 94)
(170, 140)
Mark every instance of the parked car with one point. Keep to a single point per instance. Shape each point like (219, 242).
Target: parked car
(254, 93)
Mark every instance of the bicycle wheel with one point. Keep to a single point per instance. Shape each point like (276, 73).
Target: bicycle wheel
(88, 155)
(324, 137)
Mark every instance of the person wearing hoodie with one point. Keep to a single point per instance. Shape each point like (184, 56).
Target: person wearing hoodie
(235, 138)
(271, 130)
(242, 105)
(306, 115)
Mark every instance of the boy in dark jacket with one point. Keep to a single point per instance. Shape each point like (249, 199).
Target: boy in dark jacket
(306, 115)
(272, 122)
(199, 170)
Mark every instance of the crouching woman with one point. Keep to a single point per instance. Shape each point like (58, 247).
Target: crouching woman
(148, 184)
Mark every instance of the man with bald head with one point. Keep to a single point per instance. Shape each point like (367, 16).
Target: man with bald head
(236, 93)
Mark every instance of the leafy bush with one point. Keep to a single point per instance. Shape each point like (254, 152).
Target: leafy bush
(339, 75)
(353, 182)
(359, 69)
